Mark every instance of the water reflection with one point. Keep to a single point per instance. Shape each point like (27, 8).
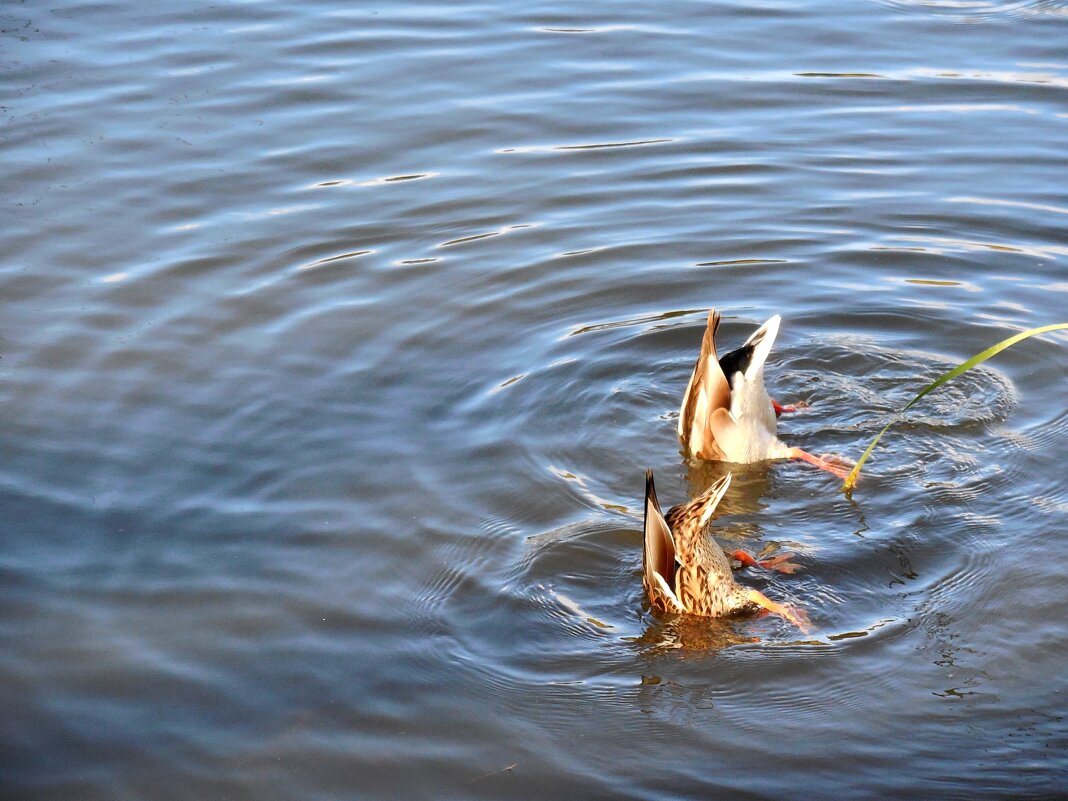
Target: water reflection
(694, 636)
(965, 11)
(953, 655)
(749, 484)
(586, 146)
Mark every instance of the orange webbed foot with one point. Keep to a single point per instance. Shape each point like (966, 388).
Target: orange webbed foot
(780, 409)
(795, 614)
(780, 563)
(835, 465)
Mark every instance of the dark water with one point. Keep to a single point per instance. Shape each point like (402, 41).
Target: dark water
(335, 339)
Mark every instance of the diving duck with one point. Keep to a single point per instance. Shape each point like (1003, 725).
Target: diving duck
(726, 413)
(685, 571)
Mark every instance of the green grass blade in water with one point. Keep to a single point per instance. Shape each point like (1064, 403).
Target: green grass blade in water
(978, 358)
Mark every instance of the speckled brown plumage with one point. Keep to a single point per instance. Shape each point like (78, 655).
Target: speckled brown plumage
(685, 570)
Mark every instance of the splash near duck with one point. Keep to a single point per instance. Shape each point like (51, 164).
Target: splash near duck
(685, 571)
(727, 414)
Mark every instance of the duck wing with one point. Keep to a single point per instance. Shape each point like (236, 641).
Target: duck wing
(658, 554)
(707, 391)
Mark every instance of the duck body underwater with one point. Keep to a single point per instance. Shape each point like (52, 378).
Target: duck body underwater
(685, 571)
(727, 414)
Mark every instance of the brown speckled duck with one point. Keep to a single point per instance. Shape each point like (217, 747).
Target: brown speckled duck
(686, 572)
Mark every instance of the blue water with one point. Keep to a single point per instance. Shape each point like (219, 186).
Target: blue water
(335, 341)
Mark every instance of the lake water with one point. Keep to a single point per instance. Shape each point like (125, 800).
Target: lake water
(335, 339)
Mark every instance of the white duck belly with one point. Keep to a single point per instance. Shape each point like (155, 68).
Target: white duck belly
(753, 437)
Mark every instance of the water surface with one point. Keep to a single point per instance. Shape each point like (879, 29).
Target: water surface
(335, 341)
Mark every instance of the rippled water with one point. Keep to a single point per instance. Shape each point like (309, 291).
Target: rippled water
(335, 340)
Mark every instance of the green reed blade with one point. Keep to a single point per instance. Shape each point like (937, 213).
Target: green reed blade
(978, 358)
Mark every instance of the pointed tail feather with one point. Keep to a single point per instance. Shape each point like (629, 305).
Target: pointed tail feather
(713, 495)
(682, 518)
(761, 341)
